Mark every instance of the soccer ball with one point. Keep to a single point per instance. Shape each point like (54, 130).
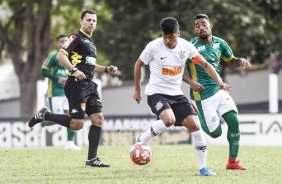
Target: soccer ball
(141, 153)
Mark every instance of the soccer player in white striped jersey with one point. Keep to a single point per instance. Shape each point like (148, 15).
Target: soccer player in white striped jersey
(166, 57)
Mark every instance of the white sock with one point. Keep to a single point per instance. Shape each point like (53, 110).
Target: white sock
(156, 128)
(200, 147)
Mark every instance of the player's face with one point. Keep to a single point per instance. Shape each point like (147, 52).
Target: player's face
(203, 28)
(88, 23)
(170, 40)
(61, 42)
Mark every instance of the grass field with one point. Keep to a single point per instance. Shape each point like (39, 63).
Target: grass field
(170, 164)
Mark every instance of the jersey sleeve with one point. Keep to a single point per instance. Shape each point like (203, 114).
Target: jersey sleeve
(227, 53)
(147, 54)
(70, 44)
(48, 64)
(194, 54)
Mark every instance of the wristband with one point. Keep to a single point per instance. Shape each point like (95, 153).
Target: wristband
(106, 69)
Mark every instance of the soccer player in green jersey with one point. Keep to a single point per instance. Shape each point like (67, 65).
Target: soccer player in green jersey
(211, 102)
(57, 75)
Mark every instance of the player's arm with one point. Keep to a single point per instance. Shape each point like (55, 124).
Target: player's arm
(137, 79)
(239, 62)
(193, 84)
(108, 69)
(210, 71)
(45, 72)
(64, 61)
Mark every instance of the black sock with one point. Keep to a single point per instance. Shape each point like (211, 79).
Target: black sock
(94, 139)
(61, 119)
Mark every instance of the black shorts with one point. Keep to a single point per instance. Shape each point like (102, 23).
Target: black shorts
(83, 97)
(179, 104)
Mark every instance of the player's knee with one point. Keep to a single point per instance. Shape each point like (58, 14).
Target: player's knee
(97, 119)
(169, 121)
(76, 124)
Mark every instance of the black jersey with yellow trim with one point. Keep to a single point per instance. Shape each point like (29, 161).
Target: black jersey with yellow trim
(81, 52)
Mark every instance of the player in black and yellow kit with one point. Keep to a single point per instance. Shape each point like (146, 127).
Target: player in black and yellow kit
(57, 76)
(78, 55)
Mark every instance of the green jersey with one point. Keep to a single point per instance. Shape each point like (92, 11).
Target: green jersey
(217, 50)
(52, 69)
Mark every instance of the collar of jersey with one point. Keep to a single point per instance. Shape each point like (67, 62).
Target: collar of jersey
(85, 33)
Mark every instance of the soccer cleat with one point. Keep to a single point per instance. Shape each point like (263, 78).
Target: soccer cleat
(95, 162)
(206, 172)
(38, 117)
(234, 164)
(137, 139)
(71, 146)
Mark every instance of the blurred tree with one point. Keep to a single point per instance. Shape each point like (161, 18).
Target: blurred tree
(250, 27)
(26, 35)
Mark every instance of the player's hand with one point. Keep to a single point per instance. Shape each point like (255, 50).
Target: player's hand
(79, 75)
(243, 63)
(195, 86)
(137, 96)
(112, 69)
(225, 86)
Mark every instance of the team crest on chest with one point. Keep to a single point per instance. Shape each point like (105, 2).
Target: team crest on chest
(182, 54)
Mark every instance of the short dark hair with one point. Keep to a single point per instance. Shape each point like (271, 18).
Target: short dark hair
(201, 16)
(169, 25)
(61, 36)
(86, 11)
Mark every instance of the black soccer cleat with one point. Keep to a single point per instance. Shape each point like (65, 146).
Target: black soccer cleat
(38, 117)
(95, 162)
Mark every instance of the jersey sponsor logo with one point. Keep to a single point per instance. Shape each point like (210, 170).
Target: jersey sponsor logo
(69, 41)
(201, 48)
(73, 111)
(172, 71)
(216, 45)
(159, 105)
(163, 57)
(75, 58)
(63, 72)
(90, 60)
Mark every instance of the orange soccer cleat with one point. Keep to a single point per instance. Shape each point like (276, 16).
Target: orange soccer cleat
(234, 164)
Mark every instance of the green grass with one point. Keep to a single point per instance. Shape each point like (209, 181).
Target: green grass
(170, 164)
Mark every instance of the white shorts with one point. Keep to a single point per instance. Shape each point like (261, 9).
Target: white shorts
(214, 107)
(59, 104)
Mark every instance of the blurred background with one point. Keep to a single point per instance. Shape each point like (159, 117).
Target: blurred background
(253, 29)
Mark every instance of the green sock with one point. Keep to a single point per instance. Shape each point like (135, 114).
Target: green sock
(45, 123)
(217, 132)
(233, 133)
(71, 134)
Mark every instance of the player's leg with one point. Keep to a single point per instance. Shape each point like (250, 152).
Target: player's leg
(94, 111)
(233, 137)
(159, 106)
(229, 113)
(186, 115)
(70, 144)
(44, 114)
(44, 123)
(75, 122)
(208, 116)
